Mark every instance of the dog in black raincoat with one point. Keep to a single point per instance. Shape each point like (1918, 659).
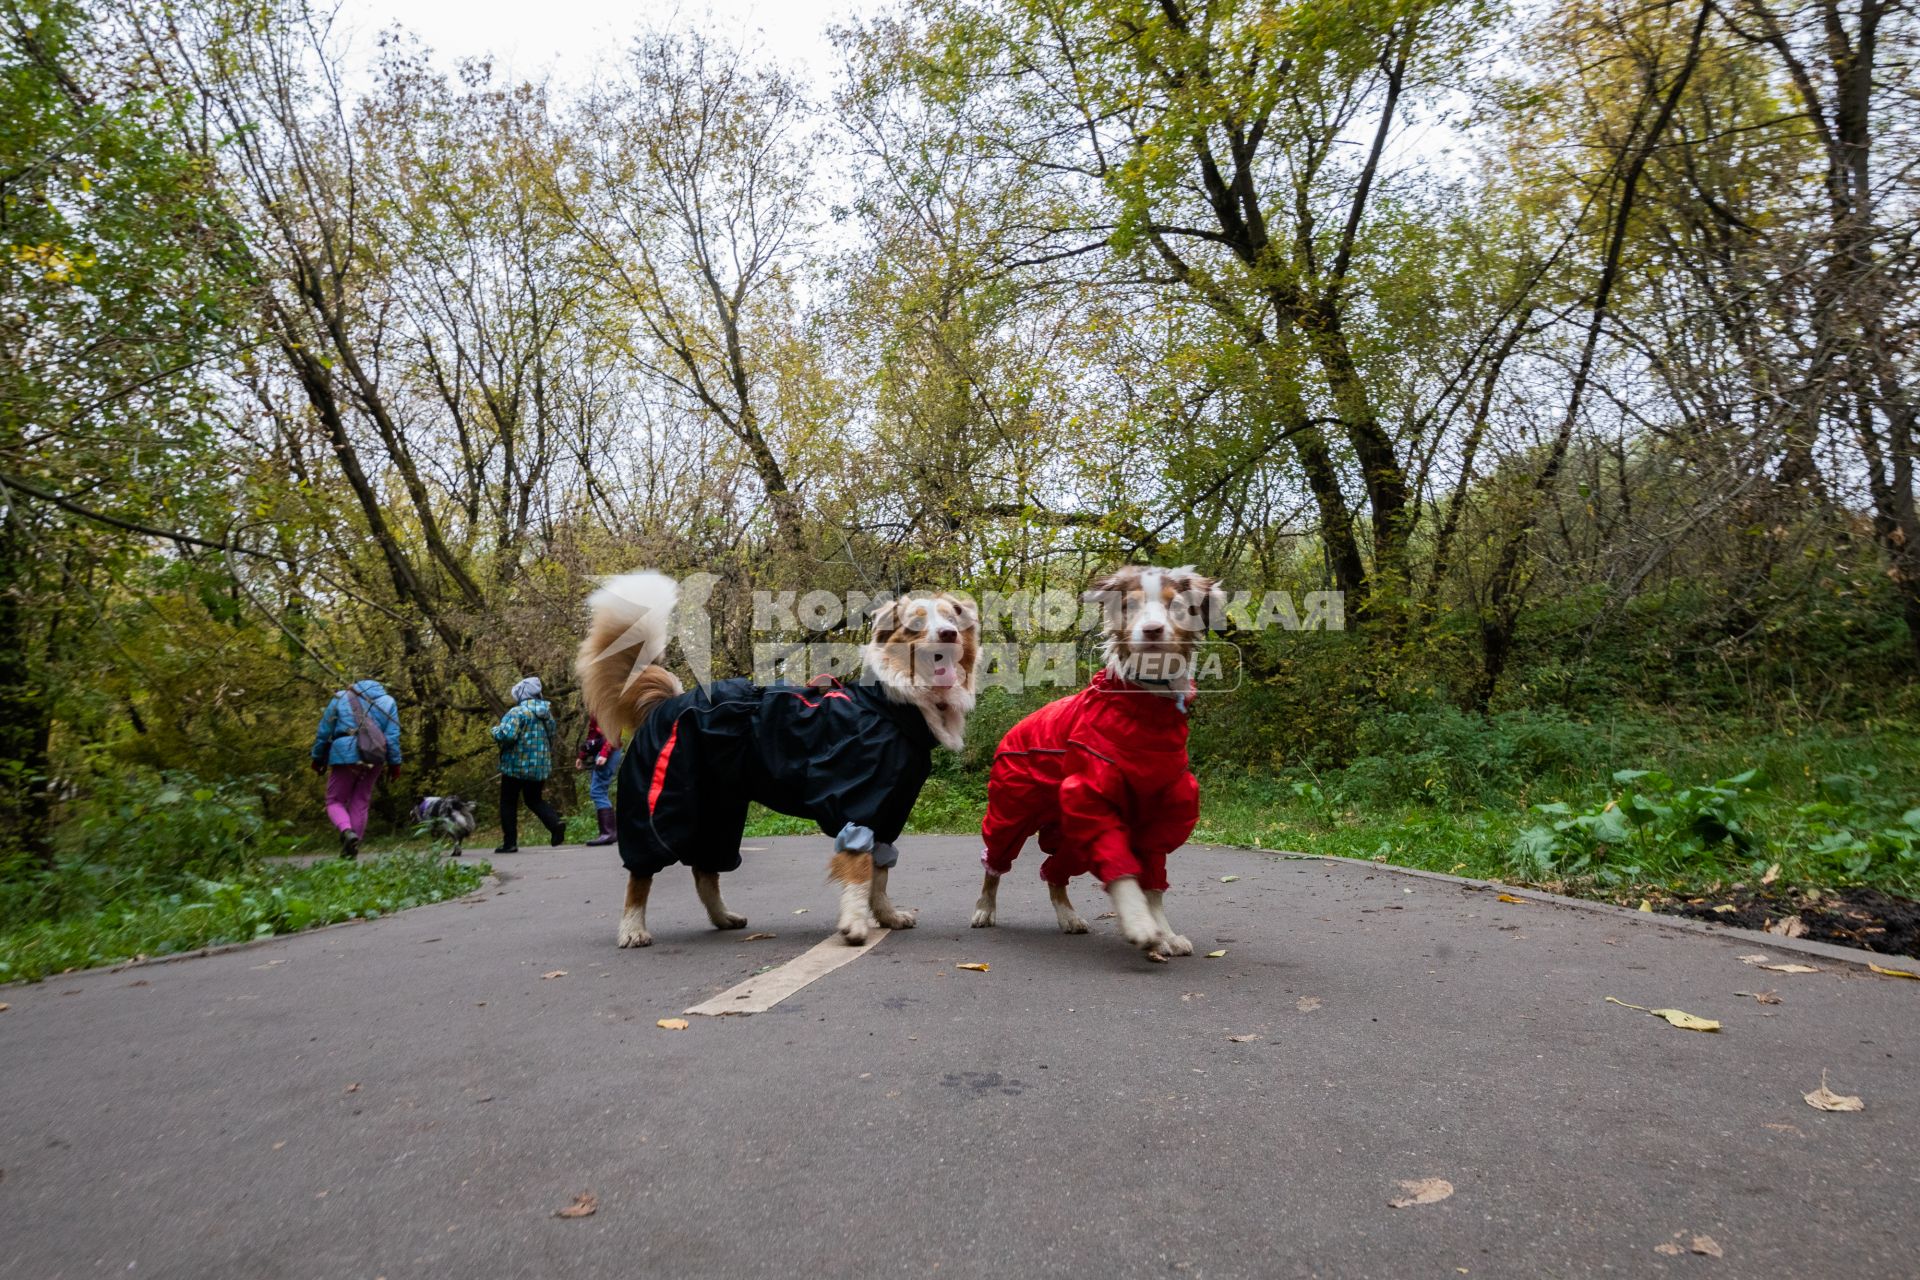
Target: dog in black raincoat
(851, 757)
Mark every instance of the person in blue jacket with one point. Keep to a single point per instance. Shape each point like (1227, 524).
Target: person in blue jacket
(358, 740)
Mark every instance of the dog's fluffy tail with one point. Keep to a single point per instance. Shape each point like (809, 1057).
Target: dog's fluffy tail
(618, 664)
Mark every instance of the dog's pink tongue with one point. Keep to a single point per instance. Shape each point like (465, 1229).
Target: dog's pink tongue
(943, 677)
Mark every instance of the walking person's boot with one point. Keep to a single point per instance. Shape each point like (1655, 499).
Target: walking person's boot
(559, 834)
(349, 844)
(606, 835)
(509, 833)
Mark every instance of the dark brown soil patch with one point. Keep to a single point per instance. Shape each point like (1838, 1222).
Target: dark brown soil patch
(1864, 918)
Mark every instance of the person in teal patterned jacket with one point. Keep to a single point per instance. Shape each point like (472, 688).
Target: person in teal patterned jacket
(526, 735)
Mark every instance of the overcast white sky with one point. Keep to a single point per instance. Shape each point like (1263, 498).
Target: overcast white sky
(566, 37)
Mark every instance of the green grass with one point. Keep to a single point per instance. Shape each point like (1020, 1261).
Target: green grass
(254, 903)
(1461, 795)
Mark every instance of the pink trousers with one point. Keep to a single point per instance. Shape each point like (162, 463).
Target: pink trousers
(350, 796)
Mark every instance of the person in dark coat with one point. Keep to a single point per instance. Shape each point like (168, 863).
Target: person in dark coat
(601, 754)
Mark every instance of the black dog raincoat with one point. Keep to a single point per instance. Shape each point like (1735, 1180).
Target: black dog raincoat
(837, 754)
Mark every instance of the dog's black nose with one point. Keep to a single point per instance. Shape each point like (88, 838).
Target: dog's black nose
(1152, 630)
(948, 636)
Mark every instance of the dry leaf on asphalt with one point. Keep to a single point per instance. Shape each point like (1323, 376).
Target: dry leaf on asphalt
(5, 1007)
(1773, 873)
(1677, 1017)
(1825, 1099)
(800, 911)
(1228, 879)
(977, 968)
(1890, 973)
(672, 1024)
(1764, 997)
(1242, 1039)
(1669, 1248)
(1709, 1246)
(1421, 1191)
(352, 1088)
(1307, 1004)
(557, 973)
(583, 1206)
(1215, 955)
(1787, 927)
(759, 937)
(1507, 897)
(1762, 962)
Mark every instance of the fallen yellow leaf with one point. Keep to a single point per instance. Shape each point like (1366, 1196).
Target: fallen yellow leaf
(1725, 907)
(1646, 904)
(557, 973)
(759, 937)
(1676, 1017)
(1891, 973)
(1228, 879)
(672, 1024)
(1421, 1191)
(977, 968)
(1708, 1246)
(1790, 968)
(1507, 897)
(1825, 1099)
(583, 1206)
(1773, 873)
(1786, 927)
(1215, 955)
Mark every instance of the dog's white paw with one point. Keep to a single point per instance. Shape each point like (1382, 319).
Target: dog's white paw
(633, 933)
(1176, 945)
(899, 917)
(729, 920)
(855, 932)
(1070, 922)
(983, 915)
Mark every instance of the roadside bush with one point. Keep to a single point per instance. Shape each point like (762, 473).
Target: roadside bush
(1444, 756)
(134, 833)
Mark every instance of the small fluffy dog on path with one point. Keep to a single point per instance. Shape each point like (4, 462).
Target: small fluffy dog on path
(1102, 777)
(851, 757)
(450, 817)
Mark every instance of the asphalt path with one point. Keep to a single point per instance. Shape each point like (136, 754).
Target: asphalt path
(415, 1096)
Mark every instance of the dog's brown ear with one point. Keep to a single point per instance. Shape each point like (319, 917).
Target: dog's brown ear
(1204, 603)
(968, 611)
(886, 618)
(1113, 586)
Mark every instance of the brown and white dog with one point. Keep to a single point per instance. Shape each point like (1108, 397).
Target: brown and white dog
(852, 757)
(1102, 777)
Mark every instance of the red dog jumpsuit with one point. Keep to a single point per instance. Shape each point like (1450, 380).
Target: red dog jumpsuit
(1102, 777)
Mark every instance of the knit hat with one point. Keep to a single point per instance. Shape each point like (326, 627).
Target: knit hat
(527, 688)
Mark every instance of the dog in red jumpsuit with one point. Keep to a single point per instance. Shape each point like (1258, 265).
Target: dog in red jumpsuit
(1102, 777)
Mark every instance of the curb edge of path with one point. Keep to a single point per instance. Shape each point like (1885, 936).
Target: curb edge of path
(1857, 957)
